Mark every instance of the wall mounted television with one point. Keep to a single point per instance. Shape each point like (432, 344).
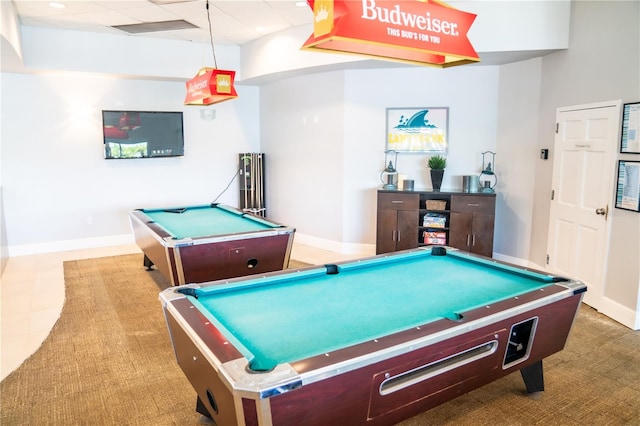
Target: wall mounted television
(142, 134)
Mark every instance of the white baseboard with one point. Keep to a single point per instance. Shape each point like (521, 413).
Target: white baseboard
(614, 310)
(622, 314)
(336, 246)
(517, 261)
(67, 245)
(124, 239)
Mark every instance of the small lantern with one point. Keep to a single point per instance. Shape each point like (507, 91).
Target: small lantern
(389, 176)
(488, 178)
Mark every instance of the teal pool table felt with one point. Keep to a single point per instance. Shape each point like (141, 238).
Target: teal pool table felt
(204, 221)
(297, 315)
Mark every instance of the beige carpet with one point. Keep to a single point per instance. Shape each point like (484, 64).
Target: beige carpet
(108, 361)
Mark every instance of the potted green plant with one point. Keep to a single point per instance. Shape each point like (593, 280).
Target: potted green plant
(437, 164)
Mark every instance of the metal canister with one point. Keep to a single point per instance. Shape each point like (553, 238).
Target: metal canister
(470, 183)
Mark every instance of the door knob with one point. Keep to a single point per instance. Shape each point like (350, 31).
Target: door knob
(603, 211)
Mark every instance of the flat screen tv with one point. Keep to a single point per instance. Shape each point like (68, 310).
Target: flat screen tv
(142, 134)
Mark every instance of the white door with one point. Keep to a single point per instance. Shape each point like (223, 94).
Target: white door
(584, 168)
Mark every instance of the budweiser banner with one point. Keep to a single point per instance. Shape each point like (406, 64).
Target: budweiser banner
(210, 86)
(421, 32)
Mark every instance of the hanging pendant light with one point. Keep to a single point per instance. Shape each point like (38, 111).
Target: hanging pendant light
(210, 85)
(424, 32)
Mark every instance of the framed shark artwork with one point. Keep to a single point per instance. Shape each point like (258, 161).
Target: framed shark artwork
(418, 130)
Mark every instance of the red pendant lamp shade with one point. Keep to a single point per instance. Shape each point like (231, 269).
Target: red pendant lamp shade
(210, 86)
(421, 32)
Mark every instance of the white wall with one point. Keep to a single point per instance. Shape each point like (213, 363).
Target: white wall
(46, 49)
(327, 134)
(521, 29)
(518, 25)
(56, 185)
(302, 134)
(10, 40)
(64, 59)
(517, 155)
(469, 92)
(4, 249)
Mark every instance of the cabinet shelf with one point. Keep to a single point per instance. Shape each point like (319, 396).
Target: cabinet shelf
(435, 211)
(433, 228)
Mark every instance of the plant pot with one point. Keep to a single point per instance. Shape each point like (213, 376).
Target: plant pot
(436, 178)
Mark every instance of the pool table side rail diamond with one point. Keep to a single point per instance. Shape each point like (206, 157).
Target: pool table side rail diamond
(385, 380)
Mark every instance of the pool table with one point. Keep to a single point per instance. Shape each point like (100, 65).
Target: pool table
(210, 242)
(371, 341)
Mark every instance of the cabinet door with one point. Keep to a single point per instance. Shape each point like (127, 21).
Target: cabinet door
(407, 236)
(386, 231)
(397, 227)
(482, 239)
(472, 218)
(460, 230)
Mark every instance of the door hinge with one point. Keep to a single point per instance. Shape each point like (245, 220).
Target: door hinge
(557, 127)
(547, 259)
(553, 194)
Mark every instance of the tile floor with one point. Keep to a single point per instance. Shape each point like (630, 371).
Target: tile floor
(32, 295)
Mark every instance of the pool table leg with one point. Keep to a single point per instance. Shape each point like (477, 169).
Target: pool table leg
(201, 408)
(147, 263)
(533, 377)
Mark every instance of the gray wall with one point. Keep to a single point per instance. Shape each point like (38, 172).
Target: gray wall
(602, 64)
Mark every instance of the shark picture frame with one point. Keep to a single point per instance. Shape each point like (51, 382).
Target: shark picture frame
(417, 129)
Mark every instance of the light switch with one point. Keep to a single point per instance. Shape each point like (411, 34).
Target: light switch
(544, 154)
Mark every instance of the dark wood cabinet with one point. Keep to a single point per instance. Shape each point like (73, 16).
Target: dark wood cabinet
(472, 223)
(397, 220)
(411, 219)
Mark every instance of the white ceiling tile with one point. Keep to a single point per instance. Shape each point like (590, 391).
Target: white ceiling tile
(150, 14)
(232, 21)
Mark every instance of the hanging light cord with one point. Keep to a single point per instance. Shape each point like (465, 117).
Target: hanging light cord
(215, 63)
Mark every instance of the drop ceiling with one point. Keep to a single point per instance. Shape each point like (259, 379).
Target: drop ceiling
(232, 22)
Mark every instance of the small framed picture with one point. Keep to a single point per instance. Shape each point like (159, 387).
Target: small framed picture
(628, 190)
(423, 129)
(630, 136)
